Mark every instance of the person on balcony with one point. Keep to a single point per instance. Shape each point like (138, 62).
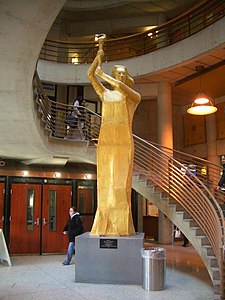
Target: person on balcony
(115, 150)
(78, 111)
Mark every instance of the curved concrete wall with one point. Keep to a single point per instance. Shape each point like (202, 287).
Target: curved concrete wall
(165, 58)
(24, 26)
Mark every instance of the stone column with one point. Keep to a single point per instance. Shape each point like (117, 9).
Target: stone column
(211, 136)
(164, 110)
(165, 138)
(141, 200)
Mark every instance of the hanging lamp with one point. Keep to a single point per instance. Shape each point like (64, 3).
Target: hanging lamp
(202, 104)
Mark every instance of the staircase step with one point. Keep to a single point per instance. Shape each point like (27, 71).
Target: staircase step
(217, 289)
(213, 261)
(165, 195)
(192, 222)
(198, 231)
(186, 215)
(204, 240)
(166, 200)
(209, 250)
(216, 274)
(179, 208)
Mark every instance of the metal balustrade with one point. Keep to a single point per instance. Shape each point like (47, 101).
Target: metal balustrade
(185, 187)
(57, 117)
(187, 24)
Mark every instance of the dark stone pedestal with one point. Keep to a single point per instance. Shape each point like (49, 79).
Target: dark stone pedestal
(115, 260)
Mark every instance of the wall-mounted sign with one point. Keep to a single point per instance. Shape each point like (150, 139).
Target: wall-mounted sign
(108, 243)
(49, 88)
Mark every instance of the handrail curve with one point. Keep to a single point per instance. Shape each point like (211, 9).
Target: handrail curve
(60, 119)
(175, 30)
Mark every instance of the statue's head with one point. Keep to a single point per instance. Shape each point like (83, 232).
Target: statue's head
(120, 73)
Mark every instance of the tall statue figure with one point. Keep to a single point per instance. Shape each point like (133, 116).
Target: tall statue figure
(115, 150)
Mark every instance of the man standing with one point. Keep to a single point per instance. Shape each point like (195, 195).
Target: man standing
(73, 228)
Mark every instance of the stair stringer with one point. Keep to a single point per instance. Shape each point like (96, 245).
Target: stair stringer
(188, 226)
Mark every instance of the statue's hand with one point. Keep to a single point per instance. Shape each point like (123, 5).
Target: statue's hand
(101, 37)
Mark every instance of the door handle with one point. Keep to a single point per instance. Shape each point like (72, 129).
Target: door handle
(44, 222)
(37, 222)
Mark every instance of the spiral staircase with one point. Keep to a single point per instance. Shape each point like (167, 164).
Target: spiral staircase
(180, 185)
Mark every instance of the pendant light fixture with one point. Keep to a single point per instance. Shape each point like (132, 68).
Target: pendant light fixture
(202, 104)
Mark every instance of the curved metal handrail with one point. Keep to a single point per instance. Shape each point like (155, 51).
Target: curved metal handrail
(187, 189)
(208, 172)
(134, 45)
(57, 118)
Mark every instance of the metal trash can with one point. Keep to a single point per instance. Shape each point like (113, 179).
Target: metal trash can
(153, 268)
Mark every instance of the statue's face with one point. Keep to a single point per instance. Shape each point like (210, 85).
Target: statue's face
(120, 74)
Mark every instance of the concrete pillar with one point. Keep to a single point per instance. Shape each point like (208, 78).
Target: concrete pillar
(165, 138)
(165, 230)
(211, 135)
(140, 212)
(164, 110)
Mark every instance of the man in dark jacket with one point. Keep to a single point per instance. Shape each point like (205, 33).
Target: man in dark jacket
(73, 228)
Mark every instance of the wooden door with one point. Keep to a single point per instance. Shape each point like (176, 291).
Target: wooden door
(55, 212)
(85, 206)
(25, 219)
(1, 205)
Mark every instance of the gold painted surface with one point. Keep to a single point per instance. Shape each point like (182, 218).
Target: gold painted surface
(115, 149)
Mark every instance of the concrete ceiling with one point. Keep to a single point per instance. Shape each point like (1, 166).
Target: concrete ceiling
(187, 82)
(80, 20)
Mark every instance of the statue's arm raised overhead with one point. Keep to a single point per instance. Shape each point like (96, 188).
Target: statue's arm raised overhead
(120, 79)
(97, 85)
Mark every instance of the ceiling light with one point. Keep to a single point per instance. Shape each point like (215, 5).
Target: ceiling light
(202, 104)
(57, 175)
(25, 173)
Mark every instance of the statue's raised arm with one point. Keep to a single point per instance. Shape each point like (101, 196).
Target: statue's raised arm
(97, 63)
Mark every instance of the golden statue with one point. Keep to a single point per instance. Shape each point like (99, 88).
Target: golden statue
(115, 150)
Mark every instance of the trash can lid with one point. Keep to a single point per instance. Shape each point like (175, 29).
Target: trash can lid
(153, 252)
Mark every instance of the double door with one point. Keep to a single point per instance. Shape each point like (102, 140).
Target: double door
(38, 215)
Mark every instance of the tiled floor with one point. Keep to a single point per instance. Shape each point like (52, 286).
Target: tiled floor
(44, 277)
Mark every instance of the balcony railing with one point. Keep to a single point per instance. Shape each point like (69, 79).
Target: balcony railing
(161, 36)
(61, 120)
